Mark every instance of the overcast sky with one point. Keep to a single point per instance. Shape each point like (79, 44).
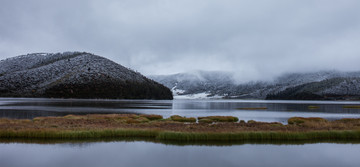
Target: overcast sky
(254, 38)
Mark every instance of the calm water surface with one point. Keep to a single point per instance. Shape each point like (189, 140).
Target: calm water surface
(145, 154)
(278, 111)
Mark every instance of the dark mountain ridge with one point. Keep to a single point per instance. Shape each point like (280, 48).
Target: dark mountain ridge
(74, 75)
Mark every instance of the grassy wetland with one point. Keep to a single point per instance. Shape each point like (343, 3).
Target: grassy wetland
(177, 128)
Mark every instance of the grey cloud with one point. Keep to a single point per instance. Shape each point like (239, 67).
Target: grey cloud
(255, 39)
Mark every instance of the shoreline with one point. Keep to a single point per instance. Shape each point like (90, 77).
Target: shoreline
(177, 128)
(184, 136)
(171, 142)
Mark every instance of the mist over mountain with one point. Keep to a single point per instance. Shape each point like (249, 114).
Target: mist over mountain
(84, 75)
(74, 75)
(317, 85)
(197, 81)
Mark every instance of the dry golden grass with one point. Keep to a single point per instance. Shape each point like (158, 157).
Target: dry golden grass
(120, 125)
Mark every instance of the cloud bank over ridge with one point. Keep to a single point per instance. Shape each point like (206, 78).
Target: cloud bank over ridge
(254, 39)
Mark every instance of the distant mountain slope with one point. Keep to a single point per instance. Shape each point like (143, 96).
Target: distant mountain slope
(222, 84)
(74, 75)
(196, 82)
(330, 89)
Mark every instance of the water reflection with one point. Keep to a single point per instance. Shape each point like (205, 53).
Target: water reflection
(89, 142)
(140, 153)
(278, 111)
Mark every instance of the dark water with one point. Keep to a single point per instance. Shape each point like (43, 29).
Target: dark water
(148, 154)
(278, 111)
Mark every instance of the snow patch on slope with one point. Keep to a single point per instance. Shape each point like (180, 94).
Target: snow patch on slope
(177, 91)
(203, 95)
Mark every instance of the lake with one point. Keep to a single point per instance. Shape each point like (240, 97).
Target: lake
(268, 110)
(142, 153)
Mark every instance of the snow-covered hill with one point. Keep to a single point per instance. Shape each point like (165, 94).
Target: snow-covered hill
(197, 84)
(204, 84)
(339, 88)
(74, 75)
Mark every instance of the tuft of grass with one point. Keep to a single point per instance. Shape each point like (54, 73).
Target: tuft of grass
(73, 116)
(152, 117)
(210, 119)
(143, 119)
(179, 118)
(301, 120)
(251, 121)
(276, 124)
(136, 120)
(110, 117)
(39, 119)
(313, 107)
(5, 120)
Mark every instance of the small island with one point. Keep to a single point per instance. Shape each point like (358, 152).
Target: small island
(177, 128)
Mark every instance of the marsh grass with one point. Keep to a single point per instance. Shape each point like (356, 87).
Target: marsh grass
(179, 118)
(152, 117)
(251, 121)
(210, 119)
(125, 118)
(301, 120)
(82, 134)
(349, 120)
(330, 135)
(183, 136)
(155, 127)
(68, 117)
